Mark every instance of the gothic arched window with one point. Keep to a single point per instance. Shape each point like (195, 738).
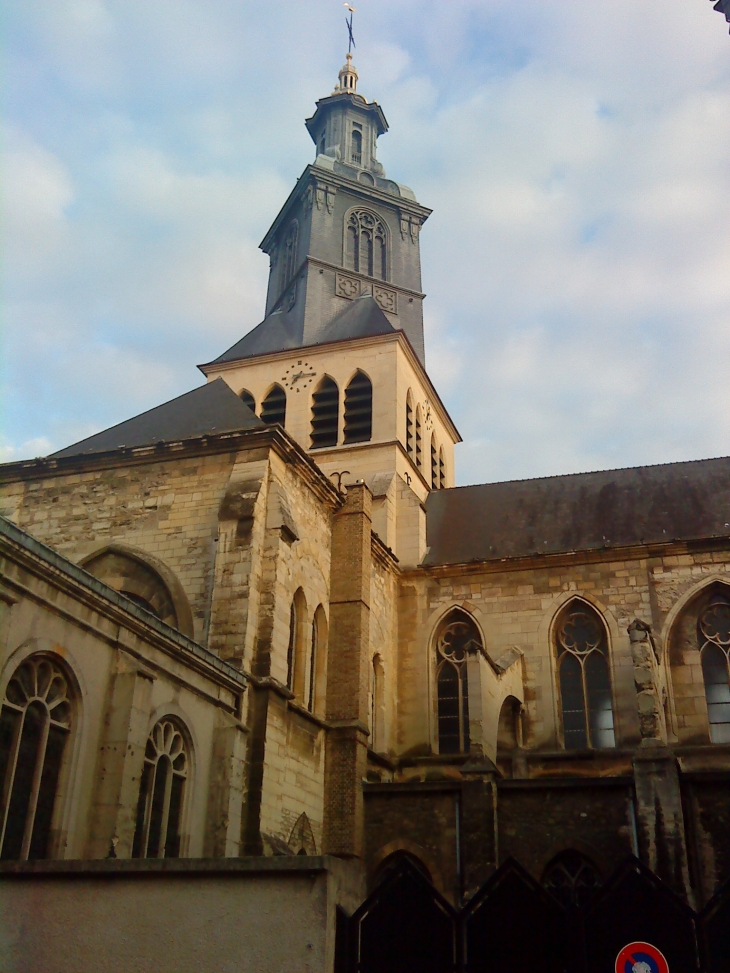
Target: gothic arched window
(296, 648)
(325, 414)
(359, 409)
(713, 636)
(366, 245)
(442, 470)
(35, 722)
(456, 638)
(162, 793)
(273, 408)
(434, 464)
(318, 663)
(248, 399)
(585, 681)
(571, 878)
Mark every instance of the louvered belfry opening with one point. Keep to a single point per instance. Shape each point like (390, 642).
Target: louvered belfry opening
(359, 409)
(248, 399)
(325, 413)
(434, 466)
(273, 408)
(409, 425)
(442, 470)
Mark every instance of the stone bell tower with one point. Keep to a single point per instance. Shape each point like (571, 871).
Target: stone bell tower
(339, 358)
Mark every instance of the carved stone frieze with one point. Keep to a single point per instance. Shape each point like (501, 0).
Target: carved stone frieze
(346, 286)
(386, 299)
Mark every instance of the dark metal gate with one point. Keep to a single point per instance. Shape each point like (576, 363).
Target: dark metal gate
(513, 925)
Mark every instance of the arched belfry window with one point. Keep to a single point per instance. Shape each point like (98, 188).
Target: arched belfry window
(442, 470)
(35, 723)
(273, 407)
(409, 424)
(434, 464)
(359, 409)
(325, 413)
(162, 793)
(366, 244)
(571, 878)
(457, 636)
(585, 680)
(713, 635)
(356, 153)
(248, 400)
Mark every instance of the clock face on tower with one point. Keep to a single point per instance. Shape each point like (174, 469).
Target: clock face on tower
(298, 375)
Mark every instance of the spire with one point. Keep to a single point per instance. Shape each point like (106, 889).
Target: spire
(348, 77)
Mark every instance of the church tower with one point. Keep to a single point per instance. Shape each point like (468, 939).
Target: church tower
(339, 358)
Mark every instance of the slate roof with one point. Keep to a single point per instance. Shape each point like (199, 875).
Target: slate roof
(212, 408)
(579, 512)
(280, 331)
(723, 6)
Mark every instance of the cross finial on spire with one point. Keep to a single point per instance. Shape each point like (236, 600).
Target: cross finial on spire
(351, 40)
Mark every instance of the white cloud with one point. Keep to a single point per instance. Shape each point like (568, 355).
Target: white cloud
(576, 261)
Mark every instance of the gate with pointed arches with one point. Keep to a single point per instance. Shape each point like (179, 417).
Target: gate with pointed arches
(513, 925)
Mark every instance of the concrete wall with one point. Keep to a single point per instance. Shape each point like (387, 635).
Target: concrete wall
(255, 916)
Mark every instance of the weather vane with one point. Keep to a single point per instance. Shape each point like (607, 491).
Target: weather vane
(351, 42)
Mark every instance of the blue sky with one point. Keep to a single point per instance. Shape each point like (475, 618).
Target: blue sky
(576, 155)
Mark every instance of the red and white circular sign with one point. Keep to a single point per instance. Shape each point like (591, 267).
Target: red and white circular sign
(641, 958)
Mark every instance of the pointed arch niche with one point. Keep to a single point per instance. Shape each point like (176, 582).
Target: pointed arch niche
(699, 643)
(297, 646)
(584, 677)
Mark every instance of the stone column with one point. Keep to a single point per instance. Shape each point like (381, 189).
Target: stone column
(660, 817)
(347, 676)
(121, 760)
(226, 789)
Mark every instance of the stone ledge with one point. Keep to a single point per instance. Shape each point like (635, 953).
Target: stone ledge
(132, 867)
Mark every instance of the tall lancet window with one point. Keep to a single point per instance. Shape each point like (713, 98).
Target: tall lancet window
(366, 245)
(456, 638)
(585, 680)
(713, 633)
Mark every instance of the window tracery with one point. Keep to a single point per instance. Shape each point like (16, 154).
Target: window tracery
(35, 723)
(713, 635)
(366, 245)
(571, 878)
(585, 681)
(456, 639)
(161, 793)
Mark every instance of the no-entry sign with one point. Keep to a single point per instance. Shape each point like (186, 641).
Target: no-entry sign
(641, 958)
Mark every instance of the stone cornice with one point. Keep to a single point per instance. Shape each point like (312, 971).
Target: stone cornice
(330, 177)
(530, 562)
(215, 368)
(272, 437)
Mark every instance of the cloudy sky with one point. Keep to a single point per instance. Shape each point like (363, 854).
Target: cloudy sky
(576, 156)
